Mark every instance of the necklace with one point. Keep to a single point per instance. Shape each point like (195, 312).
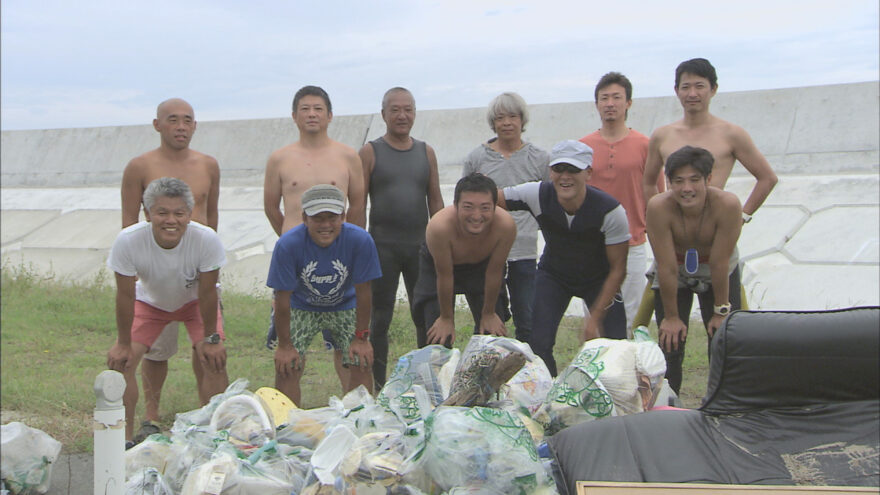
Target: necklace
(691, 256)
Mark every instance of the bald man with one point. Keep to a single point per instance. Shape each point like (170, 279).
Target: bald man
(175, 122)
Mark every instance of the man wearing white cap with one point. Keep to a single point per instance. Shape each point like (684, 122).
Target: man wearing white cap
(321, 272)
(586, 237)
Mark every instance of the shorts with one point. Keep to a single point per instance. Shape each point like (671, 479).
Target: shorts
(272, 335)
(165, 345)
(149, 321)
(340, 325)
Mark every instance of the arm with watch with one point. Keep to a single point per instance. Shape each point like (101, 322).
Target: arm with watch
(210, 351)
(360, 345)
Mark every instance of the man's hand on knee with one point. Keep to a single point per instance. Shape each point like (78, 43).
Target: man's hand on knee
(287, 359)
(361, 351)
(212, 356)
(491, 324)
(441, 332)
(118, 357)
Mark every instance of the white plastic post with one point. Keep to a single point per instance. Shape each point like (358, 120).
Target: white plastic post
(109, 427)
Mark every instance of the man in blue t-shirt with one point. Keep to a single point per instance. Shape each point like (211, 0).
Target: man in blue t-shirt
(586, 237)
(321, 272)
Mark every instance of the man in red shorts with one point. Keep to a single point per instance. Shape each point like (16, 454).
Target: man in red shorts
(166, 270)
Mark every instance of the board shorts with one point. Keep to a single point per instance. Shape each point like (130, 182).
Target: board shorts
(304, 325)
(149, 321)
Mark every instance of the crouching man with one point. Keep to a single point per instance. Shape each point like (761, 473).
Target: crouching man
(465, 251)
(321, 272)
(166, 270)
(694, 228)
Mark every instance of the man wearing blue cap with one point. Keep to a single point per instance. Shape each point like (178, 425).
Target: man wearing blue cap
(586, 238)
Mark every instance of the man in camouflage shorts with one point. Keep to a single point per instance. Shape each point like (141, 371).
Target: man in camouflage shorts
(321, 272)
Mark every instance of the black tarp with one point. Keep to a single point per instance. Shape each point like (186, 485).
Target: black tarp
(792, 398)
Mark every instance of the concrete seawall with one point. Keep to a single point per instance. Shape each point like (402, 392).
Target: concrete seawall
(814, 244)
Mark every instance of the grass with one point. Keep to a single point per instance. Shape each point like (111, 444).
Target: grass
(54, 337)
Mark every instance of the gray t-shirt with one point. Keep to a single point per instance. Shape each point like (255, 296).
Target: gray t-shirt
(527, 164)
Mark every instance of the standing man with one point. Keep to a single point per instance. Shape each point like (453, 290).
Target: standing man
(508, 160)
(694, 228)
(313, 159)
(585, 243)
(466, 246)
(175, 122)
(166, 271)
(320, 273)
(401, 179)
(695, 84)
(619, 154)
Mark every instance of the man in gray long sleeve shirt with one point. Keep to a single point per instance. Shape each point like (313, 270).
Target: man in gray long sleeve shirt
(510, 161)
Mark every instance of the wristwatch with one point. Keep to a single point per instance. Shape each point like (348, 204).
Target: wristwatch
(723, 310)
(362, 334)
(746, 217)
(214, 338)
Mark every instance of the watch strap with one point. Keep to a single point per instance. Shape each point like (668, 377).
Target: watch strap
(723, 309)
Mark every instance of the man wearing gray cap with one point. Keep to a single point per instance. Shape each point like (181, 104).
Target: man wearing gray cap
(586, 237)
(321, 272)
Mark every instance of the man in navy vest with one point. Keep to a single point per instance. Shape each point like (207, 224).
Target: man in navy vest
(586, 238)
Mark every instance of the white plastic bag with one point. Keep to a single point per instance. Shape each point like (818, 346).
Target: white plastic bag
(26, 458)
(149, 481)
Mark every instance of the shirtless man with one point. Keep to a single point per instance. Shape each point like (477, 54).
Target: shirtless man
(694, 227)
(313, 159)
(466, 247)
(401, 178)
(695, 84)
(175, 122)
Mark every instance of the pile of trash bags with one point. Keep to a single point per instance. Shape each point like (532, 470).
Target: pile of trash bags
(26, 458)
(409, 439)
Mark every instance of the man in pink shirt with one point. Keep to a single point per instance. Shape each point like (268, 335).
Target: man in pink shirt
(619, 155)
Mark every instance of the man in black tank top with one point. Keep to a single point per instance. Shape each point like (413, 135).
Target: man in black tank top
(404, 190)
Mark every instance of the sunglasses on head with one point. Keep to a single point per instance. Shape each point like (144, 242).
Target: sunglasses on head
(561, 168)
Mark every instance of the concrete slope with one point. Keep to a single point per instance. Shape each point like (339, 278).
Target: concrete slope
(810, 130)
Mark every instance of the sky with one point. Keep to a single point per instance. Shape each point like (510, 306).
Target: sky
(110, 62)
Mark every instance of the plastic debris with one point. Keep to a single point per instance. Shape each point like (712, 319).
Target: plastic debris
(26, 458)
(607, 378)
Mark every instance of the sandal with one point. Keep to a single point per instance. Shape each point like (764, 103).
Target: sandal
(147, 428)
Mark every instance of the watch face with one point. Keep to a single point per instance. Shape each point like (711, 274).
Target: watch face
(214, 338)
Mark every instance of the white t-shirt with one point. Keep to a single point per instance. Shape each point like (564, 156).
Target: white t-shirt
(167, 278)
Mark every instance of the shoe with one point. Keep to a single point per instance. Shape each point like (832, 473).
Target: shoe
(147, 428)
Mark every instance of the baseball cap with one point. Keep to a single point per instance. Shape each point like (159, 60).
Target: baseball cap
(572, 152)
(323, 197)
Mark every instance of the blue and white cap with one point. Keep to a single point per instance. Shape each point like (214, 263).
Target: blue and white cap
(572, 152)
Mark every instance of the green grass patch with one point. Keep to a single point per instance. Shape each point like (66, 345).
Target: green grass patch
(54, 337)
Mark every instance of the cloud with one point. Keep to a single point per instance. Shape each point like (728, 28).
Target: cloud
(103, 62)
